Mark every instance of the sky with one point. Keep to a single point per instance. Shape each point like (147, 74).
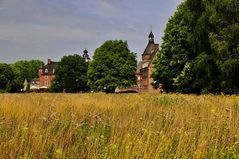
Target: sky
(50, 29)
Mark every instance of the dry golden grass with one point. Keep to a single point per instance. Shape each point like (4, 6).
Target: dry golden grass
(118, 126)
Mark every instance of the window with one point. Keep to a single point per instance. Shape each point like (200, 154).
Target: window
(53, 71)
(46, 83)
(46, 70)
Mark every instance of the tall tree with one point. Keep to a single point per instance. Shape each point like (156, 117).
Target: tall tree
(172, 66)
(206, 35)
(71, 75)
(224, 41)
(113, 66)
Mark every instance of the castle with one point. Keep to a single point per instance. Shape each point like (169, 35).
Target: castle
(143, 72)
(47, 72)
(144, 68)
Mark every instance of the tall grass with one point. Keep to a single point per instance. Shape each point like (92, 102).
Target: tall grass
(115, 126)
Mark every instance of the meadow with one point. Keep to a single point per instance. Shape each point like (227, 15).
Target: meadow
(124, 126)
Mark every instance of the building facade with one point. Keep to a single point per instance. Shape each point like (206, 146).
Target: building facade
(145, 66)
(46, 74)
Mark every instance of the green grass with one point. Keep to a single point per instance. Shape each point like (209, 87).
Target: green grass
(118, 126)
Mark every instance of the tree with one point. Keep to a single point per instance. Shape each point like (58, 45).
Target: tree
(113, 65)
(200, 48)
(70, 75)
(175, 55)
(26, 69)
(6, 76)
(224, 40)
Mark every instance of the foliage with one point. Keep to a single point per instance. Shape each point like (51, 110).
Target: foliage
(6, 76)
(24, 70)
(204, 34)
(109, 126)
(113, 65)
(71, 75)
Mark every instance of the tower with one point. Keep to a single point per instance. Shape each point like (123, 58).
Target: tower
(151, 37)
(144, 68)
(86, 56)
(151, 49)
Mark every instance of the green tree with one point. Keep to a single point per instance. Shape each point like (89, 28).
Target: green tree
(205, 34)
(70, 75)
(224, 40)
(6, 76)
(175, 55)
(26, 69)
(113, 65)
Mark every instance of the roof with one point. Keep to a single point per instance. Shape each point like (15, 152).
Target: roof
(151, 48)
(86, 56)
(151, 35)
(50, 68)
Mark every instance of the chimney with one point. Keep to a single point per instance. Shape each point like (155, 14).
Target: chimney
(49, 61)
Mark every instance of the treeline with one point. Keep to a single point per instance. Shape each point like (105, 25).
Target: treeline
(12, 76)
(200, 49)
(113, 65)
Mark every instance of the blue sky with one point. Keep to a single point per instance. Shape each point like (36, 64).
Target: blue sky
(42, 29)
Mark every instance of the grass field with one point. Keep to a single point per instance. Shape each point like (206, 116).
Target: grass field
(121, 126)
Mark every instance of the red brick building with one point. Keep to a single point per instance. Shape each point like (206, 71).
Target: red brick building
(46, 74)
(144, 68)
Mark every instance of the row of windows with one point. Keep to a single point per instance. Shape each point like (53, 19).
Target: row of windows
(46, 70)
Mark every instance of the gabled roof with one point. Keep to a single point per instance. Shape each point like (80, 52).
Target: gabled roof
(151, 48)
(151, 35)
(50, 68)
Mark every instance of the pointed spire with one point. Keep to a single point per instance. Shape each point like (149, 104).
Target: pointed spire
(151, 36)
(85, 52)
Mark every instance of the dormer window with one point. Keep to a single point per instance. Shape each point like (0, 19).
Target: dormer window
(46, 70)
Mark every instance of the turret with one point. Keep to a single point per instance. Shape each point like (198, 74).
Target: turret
(151, 37)
(86, 56)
